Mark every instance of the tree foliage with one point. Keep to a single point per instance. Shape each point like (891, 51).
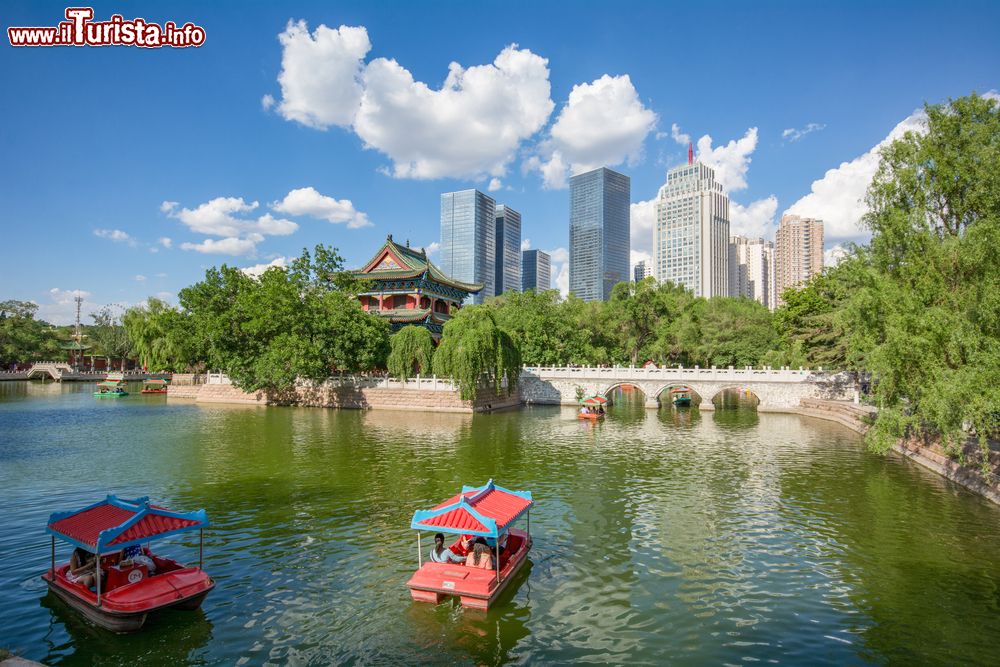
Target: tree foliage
(926, 316)
(412, 351)
(475, 352)
(22, 337)
(108, 333)
(546, 329)
(296, 323)
(161, 336)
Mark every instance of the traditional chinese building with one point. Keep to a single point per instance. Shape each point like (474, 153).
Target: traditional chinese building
(406, 288)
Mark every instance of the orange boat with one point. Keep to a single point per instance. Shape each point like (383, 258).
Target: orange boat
(488, 512)
(155, 386)
(594, 408)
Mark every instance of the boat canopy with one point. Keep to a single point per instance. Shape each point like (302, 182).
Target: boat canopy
(155, 382)
(594, 400)
(109, 383)
(485, 510)
(115, 523)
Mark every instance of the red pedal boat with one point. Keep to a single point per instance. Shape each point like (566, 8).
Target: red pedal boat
(488, 512)
(131, 581)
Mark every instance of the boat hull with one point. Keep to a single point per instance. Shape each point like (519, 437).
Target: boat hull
(126, 609)
(475, 588)
(591, 417)
(682, 402)
(110, 394)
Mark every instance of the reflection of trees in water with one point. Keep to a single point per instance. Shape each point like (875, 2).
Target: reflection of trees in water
(170, 637)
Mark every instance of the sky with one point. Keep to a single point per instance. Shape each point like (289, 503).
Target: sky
(125, 172)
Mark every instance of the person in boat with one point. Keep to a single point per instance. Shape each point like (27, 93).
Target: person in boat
(480, 557)
(584, 410)
(497, 546)
(81, 568)
(442, 554)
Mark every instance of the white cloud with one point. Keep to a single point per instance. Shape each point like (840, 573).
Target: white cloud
(604, 123)
(267, 102)
(227, 246)
(140, 278)
(308, 201)
(320, 75)
(838, 198)
(165, 241)
(432, 248)
(642, 218)
(636, 256)
(471, 127)
(164, 296)
(257, 269)
(756, 220)
(116, 235)
(833, 256)
(678, 136)
(560, 269)
(730, 161)
(495, 184)
(218, 218)
(168, 206)
(61, 306)
(525, 244)
(793, 134)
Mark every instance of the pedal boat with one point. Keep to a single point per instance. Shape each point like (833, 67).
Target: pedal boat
(154, 387)
(110, 389)
(487, 511)
(596, 405)
(680, 397)
(126, 592)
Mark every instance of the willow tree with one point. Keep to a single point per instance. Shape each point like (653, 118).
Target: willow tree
(927, 317)
(475, 352)
(412, 349)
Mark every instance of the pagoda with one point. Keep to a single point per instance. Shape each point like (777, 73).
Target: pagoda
(406, 288)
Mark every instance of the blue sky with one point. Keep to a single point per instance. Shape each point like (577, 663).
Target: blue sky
(94, 141)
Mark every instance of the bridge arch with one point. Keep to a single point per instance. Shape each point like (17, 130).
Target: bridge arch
(740, 393)
(658, 396)
(633, 386)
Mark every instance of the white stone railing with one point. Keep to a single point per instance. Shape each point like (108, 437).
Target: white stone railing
(642, 373)
(432, 383)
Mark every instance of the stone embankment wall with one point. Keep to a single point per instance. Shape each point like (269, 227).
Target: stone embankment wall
(927, 453)
(349, 396)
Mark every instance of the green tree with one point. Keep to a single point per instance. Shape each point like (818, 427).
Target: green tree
(160, 336)
(543, 328)
(412, 351)
(475, 352)
(730, 332)
(287, 324)
(109, 334)
(22, 337)
(926, 317)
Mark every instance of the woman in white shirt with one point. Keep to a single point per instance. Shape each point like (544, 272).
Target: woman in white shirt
(441, 554)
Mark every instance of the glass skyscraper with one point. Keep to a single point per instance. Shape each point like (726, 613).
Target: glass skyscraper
(598, 233)
(536, 271)
(468, 239)
(508, 244)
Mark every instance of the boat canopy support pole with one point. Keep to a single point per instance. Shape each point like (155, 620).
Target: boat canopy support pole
(419, 556)
(97, 573)
(201, 548)
(52, 571)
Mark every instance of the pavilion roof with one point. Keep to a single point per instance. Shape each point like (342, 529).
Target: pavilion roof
(486, 510)
(397, 262)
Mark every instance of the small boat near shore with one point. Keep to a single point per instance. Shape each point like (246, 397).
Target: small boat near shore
(592, 408)
(130, 581)
(110, 389)
(486, 512)
(155, 386)
(681, 397)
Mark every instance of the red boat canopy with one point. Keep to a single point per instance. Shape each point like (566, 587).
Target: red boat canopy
(115, 523)
(486, 510)
(594, 400)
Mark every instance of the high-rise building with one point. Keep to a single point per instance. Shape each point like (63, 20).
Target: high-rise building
(598, 232)
(536, 270)
(468, 239)
(798, 249)
(751, 268)
(508, 257)
(640, 271)
(691, 234)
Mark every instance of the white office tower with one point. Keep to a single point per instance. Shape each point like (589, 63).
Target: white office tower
(691, 234)
(751, 269)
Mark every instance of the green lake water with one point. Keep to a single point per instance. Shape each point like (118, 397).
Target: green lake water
(661, 537)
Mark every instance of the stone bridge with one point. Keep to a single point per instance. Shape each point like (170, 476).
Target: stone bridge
(776, 390)
(61, 372)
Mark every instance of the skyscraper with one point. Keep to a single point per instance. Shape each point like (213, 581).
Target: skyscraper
(508, 245)
(468, 239)
(536, 270)
(598, 232)
(640, 271)
(798, 252)
(751, 267)
(691, 234)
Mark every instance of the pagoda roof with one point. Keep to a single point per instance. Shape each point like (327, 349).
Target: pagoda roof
(412, 315)
(397, 262)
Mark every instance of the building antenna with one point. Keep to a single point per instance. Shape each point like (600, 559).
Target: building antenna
(690, 153)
